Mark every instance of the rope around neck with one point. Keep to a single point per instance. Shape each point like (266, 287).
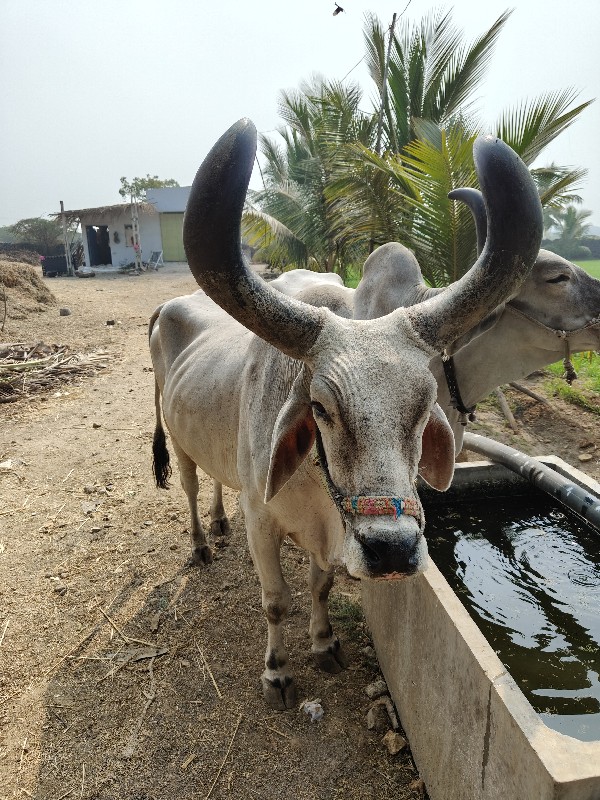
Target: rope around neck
(570, 374)
(466, 413)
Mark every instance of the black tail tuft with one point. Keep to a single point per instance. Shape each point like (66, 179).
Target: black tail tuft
(161, 466)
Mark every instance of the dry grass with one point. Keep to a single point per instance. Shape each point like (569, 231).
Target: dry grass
(27, 369)
(23, 288)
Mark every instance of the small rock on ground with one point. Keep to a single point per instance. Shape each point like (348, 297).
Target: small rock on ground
(394, 742)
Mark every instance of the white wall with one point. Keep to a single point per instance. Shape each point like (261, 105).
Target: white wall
(173, 199)
(150, 234)
(122, 254)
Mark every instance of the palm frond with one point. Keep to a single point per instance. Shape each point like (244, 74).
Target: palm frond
(464, 71)
(533, 124)
(267, 233)
(443, 233)
(557, 186)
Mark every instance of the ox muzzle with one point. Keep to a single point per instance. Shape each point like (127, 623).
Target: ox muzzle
(384, 533)
(384, 548)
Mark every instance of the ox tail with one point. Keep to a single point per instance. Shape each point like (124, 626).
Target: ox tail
(153, 318)
(161, 466)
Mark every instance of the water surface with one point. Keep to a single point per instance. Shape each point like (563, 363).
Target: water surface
(529, 574)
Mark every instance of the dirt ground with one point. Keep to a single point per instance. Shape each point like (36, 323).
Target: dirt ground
(123, 672)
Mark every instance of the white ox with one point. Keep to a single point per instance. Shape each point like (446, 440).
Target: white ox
(247, 404)
(556, 312)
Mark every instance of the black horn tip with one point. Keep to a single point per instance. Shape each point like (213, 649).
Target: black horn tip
(473, 199)
(466, 195)
(214, 209)
(511, 198)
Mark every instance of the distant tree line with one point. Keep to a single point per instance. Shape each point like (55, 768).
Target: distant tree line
(44, 236)
(571, 241)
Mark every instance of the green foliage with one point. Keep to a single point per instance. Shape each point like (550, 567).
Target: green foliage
(7, 234)
(572, 227)
(353, 276)
(587, 367)
(43, 234)
(592, 267)
(433, 74)
(332, 194)
(137, 187)
(556, 186)
(532, 125)
(583, 392)
(347, 616)
(289, 220)
(442, 232)
(575, 396)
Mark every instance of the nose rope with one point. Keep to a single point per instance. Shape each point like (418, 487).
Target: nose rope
(362, 504)
(376, 505)
(570, 374)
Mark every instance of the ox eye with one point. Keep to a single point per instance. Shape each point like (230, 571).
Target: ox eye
(558, 279)
(319, 409)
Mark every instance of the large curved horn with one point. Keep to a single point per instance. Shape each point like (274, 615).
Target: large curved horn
(514, 234)
(474, 200)
(212, 241)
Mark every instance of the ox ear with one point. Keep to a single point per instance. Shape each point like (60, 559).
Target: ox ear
(293, 436)
(436, 466)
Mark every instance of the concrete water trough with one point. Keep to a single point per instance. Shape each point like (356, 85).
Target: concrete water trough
(473, 733)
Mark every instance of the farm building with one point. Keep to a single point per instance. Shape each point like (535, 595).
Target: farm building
(108, 231)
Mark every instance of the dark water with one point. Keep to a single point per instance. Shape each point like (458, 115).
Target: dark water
(529, 574)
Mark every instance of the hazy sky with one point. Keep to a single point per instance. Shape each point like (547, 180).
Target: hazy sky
(92, 91)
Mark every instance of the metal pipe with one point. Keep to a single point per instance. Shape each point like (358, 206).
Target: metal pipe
(581, 501)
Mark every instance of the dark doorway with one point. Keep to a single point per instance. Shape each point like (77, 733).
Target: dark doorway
(98, 240)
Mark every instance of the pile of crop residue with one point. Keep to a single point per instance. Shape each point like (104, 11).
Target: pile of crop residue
(22, 290)
(27, 369)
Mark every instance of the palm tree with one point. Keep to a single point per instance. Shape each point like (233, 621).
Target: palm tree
(330, 197)
(572, 227)
(432, 73)
(430, 128)
(289, 219)
(442, 234)
(556, 187)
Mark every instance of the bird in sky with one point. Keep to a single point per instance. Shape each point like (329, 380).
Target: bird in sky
(338, 10)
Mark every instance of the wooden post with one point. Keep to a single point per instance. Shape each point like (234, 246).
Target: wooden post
(70, 271)
(137, 245)
(386, 68)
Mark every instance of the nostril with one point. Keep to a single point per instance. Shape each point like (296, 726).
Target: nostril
(385, 554)
(371, 554)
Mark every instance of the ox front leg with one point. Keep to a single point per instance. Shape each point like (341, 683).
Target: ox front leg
(278, 685)
(219, 524)
(326, 648)
(201, 552)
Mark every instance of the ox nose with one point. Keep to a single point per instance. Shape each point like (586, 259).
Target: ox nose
(387, 555)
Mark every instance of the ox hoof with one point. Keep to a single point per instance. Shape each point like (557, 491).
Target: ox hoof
(220, 527)
(333, 660)
(201, 556)
(280, 694)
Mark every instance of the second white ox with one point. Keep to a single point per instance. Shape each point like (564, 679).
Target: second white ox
(555, 313)
(320, 422)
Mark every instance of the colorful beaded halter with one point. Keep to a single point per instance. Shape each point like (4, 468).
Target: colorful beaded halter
(362, 504)
(381, 504)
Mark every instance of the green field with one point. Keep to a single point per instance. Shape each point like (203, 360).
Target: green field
(592, 266)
